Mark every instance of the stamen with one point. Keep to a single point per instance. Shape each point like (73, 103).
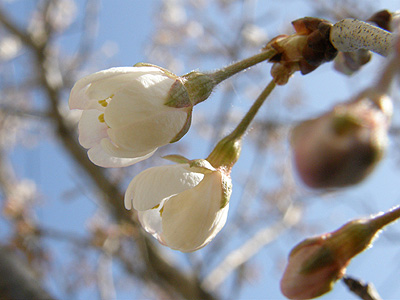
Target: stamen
(101, 118)
(104, 102)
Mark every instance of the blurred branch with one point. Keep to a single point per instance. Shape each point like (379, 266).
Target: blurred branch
(365, 291)
(87, 36)
(17, 281)
(252, 246)
(105, 279)
(14, 29)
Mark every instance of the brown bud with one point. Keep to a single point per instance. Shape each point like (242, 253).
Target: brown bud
(305, 50)
(382, 19)
(341, 147)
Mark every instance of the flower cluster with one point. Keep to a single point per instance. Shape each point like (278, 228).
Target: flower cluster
(129, 112)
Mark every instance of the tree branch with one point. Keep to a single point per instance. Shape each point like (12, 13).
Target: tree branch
(17, 281)
(365, 291)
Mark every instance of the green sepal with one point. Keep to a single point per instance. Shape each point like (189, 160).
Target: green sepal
(201, 166)
(198, 85)
(176, 158)
(178, 95)
(323, 258)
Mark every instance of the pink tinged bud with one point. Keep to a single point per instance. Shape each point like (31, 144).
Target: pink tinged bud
(311, 271)
(317, 263)
(342, 147)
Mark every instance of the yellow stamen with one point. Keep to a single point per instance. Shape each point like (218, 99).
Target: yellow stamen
(103, 102)
(101, 118)
(155, 206)
(161, 211)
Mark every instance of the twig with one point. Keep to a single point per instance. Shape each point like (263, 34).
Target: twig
(242, 254)
(350, 35)
(365, 291)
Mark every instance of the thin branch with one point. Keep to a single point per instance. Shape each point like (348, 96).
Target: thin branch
(14, 29)
(245, 252)
(365, 291)
(17, 281)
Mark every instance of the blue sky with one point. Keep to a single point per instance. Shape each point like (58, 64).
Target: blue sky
(128, 25)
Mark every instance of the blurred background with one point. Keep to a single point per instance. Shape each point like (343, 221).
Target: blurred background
(65, 233)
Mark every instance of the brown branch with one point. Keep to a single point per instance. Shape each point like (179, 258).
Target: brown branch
(365, 291)
(17, 281)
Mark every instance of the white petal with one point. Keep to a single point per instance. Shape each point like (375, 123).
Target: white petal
(151, 186)
(91, 130)
(157, 87)
(135, 104)
(150, 133)
(191, 219)
(220, 220)
(111, 149)
(102, 84)
(101, 158)
(113, 80)
(151, 222)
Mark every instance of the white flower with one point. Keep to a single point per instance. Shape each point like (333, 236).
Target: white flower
(125, 117)
(183, 207)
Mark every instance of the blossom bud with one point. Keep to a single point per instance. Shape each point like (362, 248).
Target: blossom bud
(129, 112)
(317, 263)
(183, 206)
(342, 147)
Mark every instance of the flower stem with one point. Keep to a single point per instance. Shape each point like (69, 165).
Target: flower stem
(241, 128)
(350, 35)
(384, 219)
(228, 71)
(227, 151)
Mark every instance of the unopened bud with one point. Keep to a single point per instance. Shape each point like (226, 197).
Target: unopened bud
(342, 147)
(317, 263)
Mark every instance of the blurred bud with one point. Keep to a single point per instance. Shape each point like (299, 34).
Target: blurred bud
(317, 263)
(342, 147)
(350, 62)
(305, 50)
